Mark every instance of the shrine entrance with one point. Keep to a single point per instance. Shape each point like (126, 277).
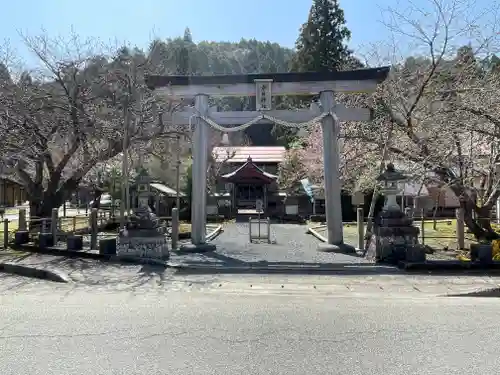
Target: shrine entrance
(250, 185)
(263, 87)
(247, 194)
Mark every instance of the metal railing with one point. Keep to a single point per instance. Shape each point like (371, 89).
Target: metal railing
(262, 230)
(442, 232)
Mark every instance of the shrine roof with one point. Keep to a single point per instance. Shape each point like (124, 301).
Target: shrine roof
(249, 171)
(372, 74)
(258, 154)
(11, 178)
(168, 191)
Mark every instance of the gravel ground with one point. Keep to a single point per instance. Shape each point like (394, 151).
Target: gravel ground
(290, 245)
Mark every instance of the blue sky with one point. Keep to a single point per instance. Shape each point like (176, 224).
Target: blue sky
(229, 20)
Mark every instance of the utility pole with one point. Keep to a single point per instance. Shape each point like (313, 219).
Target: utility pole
(177, 175)
(125, 193)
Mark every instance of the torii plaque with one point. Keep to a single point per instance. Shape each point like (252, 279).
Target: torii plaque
(263, 87)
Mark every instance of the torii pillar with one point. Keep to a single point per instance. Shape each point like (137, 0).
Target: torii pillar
(199, 178)
(330, 127)
(263, 87)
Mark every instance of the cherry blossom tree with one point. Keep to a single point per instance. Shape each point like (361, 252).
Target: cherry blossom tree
(291, 171)
(436, 114)
(69, 116)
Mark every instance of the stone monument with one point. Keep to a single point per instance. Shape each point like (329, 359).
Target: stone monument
(143, 235)
(394, 238)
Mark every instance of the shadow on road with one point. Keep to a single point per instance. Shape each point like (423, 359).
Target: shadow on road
(286, 271)
(217, 263)
(10, 282)
(495, 292)
(93, 271)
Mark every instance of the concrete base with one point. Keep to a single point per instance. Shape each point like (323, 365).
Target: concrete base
(481, 252)
(45, 240)
(415, 254)
(336, 248)
(21, 237)
(107, 246)
(74, 242)
(201, 248)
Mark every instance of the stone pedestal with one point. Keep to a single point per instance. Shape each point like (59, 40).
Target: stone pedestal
(144, 247)
(143, 237)
(395, 239)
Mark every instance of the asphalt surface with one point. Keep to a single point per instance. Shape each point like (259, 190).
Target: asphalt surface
(245, 325)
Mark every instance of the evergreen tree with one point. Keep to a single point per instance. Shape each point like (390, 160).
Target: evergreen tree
(188, 38)
(321, 42)
(4, 75)
(184, 58)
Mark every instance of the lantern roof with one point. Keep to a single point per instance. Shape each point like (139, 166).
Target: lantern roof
(391, 174)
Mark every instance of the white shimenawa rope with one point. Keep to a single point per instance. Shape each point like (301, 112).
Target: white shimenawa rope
(262, 116)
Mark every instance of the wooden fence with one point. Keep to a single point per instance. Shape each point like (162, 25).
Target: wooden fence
(65, 225)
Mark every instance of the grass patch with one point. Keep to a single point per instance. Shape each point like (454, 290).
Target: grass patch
(67, 224)
(442, 236)
(10, 234)
(185, 228)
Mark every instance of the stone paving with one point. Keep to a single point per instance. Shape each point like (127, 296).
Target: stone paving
(291, 246)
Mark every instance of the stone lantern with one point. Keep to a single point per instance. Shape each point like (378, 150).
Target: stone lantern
(391, 179)
(394, 237)
(225, 140)
(143, 187)
(143, 236)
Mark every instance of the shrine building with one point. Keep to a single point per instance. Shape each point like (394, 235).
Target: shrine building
(250, 174)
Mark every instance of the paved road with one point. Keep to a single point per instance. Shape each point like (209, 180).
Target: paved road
(196, 327)
(292, 245)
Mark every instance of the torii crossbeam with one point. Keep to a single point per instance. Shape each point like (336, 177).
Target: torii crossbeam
(263, 87)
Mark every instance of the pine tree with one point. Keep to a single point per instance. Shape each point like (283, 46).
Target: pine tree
(4, 75)
(321, 42)
(187, 35)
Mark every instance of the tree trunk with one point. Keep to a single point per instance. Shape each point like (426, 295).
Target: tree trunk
(477, 219)
(436, 206)
(41, 213)
(41, 210)
(97, 198)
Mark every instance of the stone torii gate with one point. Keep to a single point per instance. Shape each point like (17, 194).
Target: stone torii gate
(263, 87)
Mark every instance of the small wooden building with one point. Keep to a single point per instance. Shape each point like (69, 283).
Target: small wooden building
(250, 174)
(12, 192)
(161, 197)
